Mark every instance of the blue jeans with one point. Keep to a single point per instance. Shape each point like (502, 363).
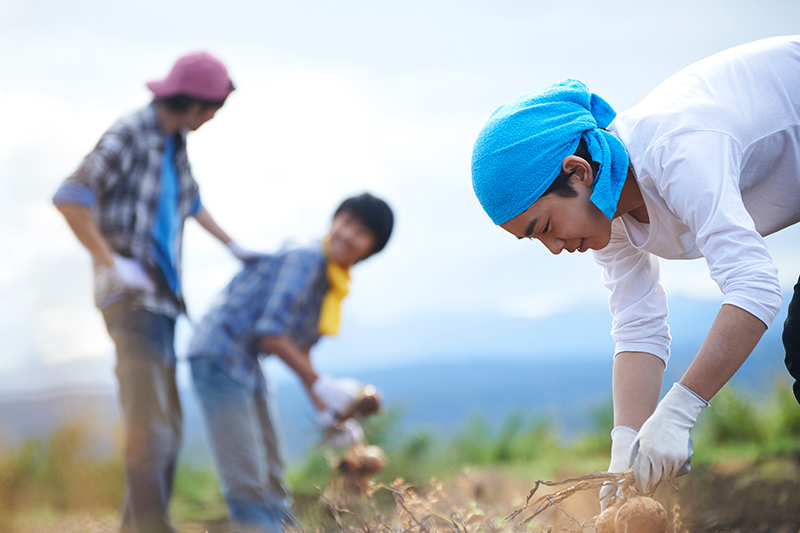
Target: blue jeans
(151, 412)
(241, 429)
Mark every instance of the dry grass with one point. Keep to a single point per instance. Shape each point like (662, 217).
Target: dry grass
(470, 504)
(78, 523)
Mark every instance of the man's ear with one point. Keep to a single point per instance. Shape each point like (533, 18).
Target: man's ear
(580, 169)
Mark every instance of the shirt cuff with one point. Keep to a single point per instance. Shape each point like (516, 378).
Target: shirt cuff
(658, 350)
(198, 205)
(763, 304)
(74, 194)
(270, 326)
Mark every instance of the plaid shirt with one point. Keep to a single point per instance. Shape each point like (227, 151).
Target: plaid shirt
(278, 295)
(123, 173)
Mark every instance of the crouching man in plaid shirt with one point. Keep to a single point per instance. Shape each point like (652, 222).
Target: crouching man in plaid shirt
(279, 305)
(127, 203)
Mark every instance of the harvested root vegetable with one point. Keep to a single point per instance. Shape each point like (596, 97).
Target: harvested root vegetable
(641, 515)
(373, 461)
(362, 460)
(606, 522)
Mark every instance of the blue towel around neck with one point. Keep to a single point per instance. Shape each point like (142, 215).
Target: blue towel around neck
(519, 151)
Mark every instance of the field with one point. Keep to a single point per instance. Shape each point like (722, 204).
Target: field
(745, 478)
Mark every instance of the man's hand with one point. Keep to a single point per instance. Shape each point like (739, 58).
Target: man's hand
(337, 394)
(621, 439)
(126, 273)
(243, 254)
(663, 448)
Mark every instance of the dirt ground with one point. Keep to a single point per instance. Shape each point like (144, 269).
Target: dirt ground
(731, 498)
(743, 498)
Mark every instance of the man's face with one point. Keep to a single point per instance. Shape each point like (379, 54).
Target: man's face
(198, 114)
(351, 240)
(571, 224)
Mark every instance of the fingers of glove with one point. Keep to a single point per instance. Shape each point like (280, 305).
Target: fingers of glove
(242, 254)
(339, 439)
(325, 418)
(687, 465)
(350, 385)
(347, 433)
(642, 467)
(622, 438)
(641, 474)
(129, 273)
(354, 429)
(607, 496)
(336, 394)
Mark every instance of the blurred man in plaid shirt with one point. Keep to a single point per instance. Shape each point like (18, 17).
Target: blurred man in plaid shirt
(127, 203)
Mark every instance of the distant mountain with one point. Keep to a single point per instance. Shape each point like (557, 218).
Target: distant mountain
(558, 367)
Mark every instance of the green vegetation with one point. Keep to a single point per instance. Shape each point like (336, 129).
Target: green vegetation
(737, 425)
(60, 476)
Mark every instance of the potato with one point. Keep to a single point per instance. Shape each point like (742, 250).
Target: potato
(373, 460)
(368, 401)
(361, 460)
(641, 515)
(605, 523)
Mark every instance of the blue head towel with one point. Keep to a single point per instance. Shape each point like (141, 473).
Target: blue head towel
(519, 151)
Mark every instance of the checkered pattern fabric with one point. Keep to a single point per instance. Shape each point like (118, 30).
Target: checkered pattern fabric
(123, 172)
(278, 295)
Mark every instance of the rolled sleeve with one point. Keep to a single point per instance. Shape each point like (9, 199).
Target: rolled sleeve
(71, 193)
(293, 282)
(638, 301)
(196, 206)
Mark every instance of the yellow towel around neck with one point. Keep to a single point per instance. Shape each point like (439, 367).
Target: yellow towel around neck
(338, 278)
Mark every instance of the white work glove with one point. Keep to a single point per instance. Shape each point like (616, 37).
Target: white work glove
(337, 394)
(242, 254)
(621, 439)
(128, 274)
(345, 433)
(664, 447)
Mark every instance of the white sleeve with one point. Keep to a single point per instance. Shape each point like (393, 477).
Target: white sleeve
(638, 302)
(700, 185)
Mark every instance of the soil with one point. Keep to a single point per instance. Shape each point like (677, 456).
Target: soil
(747, 498)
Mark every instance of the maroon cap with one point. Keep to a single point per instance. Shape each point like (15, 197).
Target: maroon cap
(199, 75)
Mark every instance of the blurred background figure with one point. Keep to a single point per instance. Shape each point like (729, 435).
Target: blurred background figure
(127, 203)
(281, 305)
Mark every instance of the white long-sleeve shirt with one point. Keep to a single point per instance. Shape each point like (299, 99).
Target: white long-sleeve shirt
(716, 153)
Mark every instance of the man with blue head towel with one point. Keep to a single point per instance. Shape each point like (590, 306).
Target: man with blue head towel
(705, 166)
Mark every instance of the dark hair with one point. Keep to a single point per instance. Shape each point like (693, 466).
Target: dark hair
(374, 213)
(561, 186)
(181, 102)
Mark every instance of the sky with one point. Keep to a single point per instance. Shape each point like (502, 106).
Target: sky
(332, 99)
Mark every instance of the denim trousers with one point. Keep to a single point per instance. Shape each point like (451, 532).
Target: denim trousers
(242, 430)
(791, 339)
(151, 412)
